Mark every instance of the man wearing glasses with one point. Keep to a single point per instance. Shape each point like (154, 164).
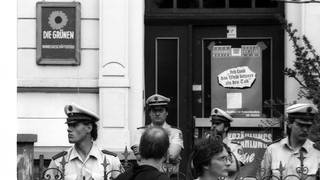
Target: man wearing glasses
(220, 124)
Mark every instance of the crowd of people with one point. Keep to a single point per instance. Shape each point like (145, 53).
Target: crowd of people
(214, 156)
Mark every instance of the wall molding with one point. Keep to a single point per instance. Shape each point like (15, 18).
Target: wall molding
(58, 90)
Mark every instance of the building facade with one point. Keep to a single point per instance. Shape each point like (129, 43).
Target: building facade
(132, 49)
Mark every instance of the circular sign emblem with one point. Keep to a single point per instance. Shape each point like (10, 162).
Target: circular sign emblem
(57, 19)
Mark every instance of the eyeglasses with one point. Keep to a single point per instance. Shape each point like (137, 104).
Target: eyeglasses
(226, 158)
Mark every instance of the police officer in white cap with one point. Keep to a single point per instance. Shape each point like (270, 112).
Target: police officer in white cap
(84, 159)
(158, 111)
(220, 124)
(287, 151)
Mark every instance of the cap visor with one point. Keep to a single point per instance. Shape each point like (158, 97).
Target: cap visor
(71, 122)
(158, 104)
(303, 121)
(219, 119)
(78, 121)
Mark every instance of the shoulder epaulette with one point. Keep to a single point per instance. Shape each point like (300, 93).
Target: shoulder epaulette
(142, 127)
(175, 127)
(278, 140)
(60, 154)
(109, 152)
(235, 142)
(317, 146)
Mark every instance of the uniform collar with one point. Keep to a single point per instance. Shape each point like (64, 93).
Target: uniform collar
(226, 140)
(164, 126)
(307, 146)
(94, 152)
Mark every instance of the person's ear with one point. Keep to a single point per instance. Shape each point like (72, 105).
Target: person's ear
(226, 128)
(89, 127)
(206, 168)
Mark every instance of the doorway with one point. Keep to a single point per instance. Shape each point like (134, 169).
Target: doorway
(178, 64)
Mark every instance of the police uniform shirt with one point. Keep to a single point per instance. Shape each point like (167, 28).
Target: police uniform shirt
(77, 169)
(235, 148)
(282, 152)
(237, 158)
(175, 135)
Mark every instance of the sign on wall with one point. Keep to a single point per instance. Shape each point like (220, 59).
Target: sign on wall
(236, 80)
(58, 33)
(254, 144)
(231, 31)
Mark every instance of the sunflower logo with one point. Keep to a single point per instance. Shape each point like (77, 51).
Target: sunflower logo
(57, 19)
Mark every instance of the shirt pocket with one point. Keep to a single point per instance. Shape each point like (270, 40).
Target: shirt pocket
(97, 176)
(98, 173)
(311, 164)
(275, 167)
(70, 177)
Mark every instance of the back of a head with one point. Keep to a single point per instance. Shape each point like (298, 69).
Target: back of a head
(154, 143)
(203, 152)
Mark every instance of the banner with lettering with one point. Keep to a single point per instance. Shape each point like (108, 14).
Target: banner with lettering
(254, 144)
(236, 80)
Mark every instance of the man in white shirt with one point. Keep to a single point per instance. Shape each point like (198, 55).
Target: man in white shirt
(284, 155)
(83, 161)
(158, 112)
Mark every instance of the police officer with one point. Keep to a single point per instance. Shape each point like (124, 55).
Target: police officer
(84, 158)
(287, 151)
(158, 111)
(220, 124)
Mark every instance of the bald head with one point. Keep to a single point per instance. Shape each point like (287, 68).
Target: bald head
(154, 143)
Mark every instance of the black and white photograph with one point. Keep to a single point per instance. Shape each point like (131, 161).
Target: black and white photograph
(165, 90)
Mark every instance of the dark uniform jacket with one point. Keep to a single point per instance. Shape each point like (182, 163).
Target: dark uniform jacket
(143, 172)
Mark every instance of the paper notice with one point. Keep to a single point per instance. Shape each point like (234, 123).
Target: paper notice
(234, 100)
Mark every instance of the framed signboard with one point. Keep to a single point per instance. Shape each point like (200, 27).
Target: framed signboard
(58, 33)
(236, 80)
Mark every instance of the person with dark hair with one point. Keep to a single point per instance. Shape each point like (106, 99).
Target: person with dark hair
(291, 150)
(220, 125)
(158, 111)
(210, 159)
(154, 144)
(84, 159)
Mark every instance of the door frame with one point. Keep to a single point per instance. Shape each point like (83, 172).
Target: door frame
(186, 30)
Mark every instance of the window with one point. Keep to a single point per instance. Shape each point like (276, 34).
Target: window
(154, 4)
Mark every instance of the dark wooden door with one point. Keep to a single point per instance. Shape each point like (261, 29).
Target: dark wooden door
(167, 72)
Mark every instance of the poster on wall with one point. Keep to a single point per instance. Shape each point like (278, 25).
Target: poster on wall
(236, 80)
(254, 144)
(58, 33)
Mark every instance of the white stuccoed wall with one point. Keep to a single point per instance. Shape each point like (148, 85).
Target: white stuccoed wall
(42, 113)
(305, 18)
(120, 71)
(112, 59)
